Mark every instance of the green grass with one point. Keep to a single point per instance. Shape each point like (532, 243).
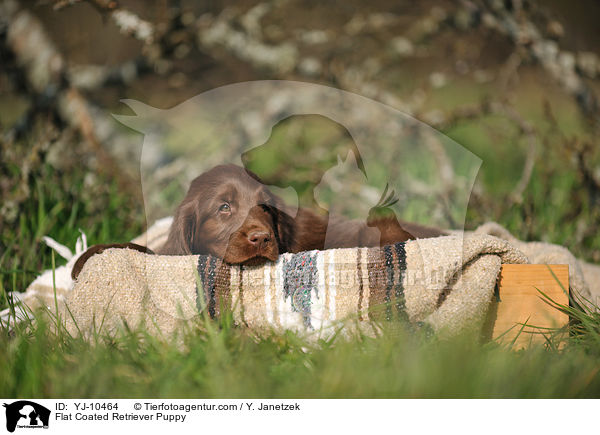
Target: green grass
(59, 206)
(220, 360)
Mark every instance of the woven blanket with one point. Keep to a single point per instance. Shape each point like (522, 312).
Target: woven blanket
(445, 282)
(442, 282)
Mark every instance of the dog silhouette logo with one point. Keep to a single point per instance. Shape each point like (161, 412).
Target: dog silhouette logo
(26, 414)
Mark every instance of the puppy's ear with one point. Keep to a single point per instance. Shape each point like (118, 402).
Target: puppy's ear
(284, 228)
(182, 234)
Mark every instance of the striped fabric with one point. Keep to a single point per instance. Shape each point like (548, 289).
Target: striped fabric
(310, 289)
(445, 282)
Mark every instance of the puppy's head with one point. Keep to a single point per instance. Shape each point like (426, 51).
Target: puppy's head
(229, 213)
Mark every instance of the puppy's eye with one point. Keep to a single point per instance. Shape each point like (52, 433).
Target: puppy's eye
(225, 208)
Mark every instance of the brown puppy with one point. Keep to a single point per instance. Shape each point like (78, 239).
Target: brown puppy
(229, 213)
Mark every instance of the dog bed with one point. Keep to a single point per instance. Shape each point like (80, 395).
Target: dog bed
(444, 282)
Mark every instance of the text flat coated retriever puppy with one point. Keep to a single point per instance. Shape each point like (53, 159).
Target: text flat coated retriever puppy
(229, 213)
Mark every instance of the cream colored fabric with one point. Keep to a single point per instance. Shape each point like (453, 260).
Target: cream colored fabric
(447, 283)
(125, 286)
(584, 278)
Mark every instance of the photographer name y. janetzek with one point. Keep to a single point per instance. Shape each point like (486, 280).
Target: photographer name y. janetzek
(279, 407)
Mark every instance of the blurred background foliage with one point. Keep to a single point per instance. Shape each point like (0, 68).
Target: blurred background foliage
(515, 82)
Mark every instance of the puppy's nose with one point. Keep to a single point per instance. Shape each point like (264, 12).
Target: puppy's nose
(259, 238)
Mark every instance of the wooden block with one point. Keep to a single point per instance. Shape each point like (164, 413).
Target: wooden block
(518, 301)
